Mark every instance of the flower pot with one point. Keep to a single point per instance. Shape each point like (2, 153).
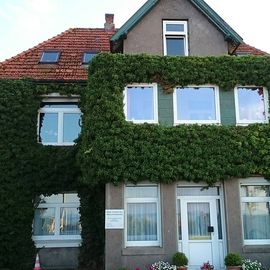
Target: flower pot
(239, 267)
(181, 268)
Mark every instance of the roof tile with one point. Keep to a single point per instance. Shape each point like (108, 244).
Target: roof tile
(245, 49)
(71, 44)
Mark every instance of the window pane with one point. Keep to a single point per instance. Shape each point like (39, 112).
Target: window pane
(179, 220)
(141, 191)
(49, 57)
(256, 220)
(251, 104)
(175, 46)
(69, 221)
(196, 103)
(140, 103)
(197, 191)
(71, 127)
(255, 191)
(219, 220)
(173, 27)
(198, 221)
(71, 198)
(142, 222)
(48, 127)
(44, 221)
(87, 57)
(55, 198)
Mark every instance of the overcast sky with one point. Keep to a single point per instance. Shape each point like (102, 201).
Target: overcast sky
(25, 23)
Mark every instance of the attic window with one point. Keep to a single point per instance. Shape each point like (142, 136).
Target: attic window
(175, 38)
(49, 57)
(88, 56)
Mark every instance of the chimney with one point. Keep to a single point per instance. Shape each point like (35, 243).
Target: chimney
(109, 25)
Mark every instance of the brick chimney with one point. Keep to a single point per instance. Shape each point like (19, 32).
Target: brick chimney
(109, 25)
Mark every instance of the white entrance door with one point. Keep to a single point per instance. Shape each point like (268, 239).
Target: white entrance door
(201, 231)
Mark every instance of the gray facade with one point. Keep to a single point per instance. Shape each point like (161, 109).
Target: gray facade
(59, 258)
(203, 37)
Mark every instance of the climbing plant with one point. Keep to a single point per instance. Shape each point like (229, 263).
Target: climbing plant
(112, 150)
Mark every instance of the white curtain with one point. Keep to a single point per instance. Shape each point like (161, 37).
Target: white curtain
(69, 221)
(142, 222)
(198, 221)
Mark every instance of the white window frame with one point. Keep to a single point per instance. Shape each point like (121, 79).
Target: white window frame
(143, 200)
(60, 111)
(217, 107)
(253, 181)
(175, 34)
(57, 240)
(155, 103)
(266, 106)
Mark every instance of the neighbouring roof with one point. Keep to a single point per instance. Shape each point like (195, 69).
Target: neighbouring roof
(72, 44)
(245, 49)
(212, 16)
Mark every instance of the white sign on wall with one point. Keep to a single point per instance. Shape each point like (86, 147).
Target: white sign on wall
(114, 219)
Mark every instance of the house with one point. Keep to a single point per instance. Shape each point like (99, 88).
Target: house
(148, 221)
(161, 218)
(58, 70)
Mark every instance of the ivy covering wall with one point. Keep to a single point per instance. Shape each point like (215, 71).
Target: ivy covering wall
(27, 169)
(113, 150)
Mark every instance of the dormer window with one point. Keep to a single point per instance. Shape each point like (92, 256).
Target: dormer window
(49, 57)
(175, 38)
(87, 57)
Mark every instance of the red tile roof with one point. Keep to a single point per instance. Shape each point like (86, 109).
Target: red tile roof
(71, 44)
(249, 50)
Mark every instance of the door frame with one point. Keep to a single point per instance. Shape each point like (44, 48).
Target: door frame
(211, 199)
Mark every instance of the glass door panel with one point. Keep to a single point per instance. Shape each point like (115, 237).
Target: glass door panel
(198, 221)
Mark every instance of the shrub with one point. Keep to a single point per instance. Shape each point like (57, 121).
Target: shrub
(233, 259)
(180, 259)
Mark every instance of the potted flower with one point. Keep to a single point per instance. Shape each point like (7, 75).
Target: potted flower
(207, 266)
(160, 265)
(233, 261)
(248, 264)
(180, 260)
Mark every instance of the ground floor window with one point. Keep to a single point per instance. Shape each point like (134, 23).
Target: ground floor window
(255, 200)
(57, 220)
(142, 208)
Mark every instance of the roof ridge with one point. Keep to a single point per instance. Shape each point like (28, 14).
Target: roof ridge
(36, 46)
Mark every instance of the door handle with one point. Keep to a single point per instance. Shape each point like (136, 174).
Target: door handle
(210, 229)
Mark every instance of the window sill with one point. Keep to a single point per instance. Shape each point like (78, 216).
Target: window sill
(57, 144)
(195, 123)
(57, 243)
(256, 248)
(143, 251)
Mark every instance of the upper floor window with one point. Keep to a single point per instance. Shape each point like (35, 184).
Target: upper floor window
(57, 220)
(251, 105)
(255, 201)
(141, 103)
(196, 105)
(87, 57)
(59, 121)
(142, 215)
(50, 57)
(175, 38)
